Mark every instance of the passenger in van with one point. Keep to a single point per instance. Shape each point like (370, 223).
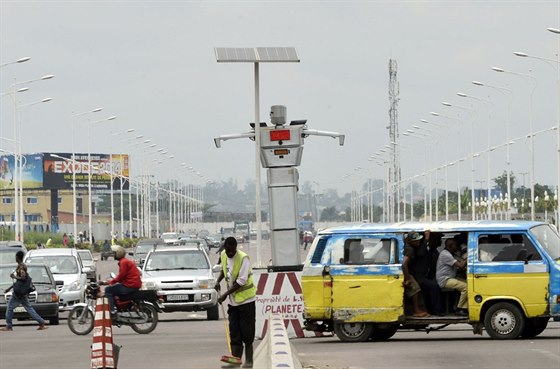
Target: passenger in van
(356, 253)
(423, 267)
(461, 253)
(446, 274)
(512, 250)
(483, 253)
(411, 286)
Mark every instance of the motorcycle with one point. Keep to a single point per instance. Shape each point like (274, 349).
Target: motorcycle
(139, 310)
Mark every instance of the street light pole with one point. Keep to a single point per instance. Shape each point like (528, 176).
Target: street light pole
(503, 91)
(472, 151)
(458, 157)
(18, 216)
(90, 227)
(488, 189)
(74, 167)
(532, 139)
(22, 218)
(556, 66)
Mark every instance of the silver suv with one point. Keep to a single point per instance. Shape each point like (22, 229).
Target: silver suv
(67, 270)
(183, 278)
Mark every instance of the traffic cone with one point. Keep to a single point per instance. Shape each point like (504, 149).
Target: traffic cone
(102, 355)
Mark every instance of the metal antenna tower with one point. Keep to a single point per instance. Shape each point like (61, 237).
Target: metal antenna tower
(393, 187)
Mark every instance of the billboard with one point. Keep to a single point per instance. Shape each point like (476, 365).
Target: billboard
(32, 171)
(58, 169)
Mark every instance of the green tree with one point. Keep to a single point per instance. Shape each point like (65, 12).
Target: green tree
(500, 182)
(329, 214)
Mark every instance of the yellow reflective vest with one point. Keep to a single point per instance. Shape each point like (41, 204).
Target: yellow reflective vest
(246, 291)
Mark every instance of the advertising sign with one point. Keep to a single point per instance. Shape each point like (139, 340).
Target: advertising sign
(32, 171)
(58, 170)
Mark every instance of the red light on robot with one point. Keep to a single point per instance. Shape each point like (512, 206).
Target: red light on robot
(280, 135)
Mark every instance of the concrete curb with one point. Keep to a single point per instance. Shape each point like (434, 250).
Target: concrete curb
(275, 349)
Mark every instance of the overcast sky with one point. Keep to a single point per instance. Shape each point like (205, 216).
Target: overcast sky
(152, 64)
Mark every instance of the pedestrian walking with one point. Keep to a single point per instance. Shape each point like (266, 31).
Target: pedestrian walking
(20, 290)
(241, 293)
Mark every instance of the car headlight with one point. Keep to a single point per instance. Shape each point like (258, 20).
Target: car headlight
(47, 297)
(206, 283)
(74, 286)
(150, 285)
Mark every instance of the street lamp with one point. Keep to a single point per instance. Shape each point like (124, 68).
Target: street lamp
(121, 177)
(503, 91)
(74, 167)
(17, 143)
(444, 103)
(435, 114)
(90, 227)
(20, 60)
(21, 215)
(488, 189)
(556, 65)
(427, 181)
(23, 89)
(532, 139)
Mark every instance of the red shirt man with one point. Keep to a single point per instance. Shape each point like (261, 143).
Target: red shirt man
(127, 282)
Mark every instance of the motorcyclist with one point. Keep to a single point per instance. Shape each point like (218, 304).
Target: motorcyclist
(126, 282)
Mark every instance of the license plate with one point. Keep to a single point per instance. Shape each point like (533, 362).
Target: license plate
(19, 309)
(178, 297)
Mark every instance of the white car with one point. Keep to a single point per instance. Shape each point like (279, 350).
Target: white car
(67, 270)
(183, 278)
(170, 238)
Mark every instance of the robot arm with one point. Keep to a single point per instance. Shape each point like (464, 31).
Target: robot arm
(218, 140)
(314, 132)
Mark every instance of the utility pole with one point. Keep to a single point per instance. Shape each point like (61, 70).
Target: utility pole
(393, 187)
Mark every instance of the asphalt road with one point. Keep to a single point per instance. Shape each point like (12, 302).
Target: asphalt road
(188, 340)
(184, 340)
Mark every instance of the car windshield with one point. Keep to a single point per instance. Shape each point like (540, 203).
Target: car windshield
(549, 239)
(58, 264)
(181, 259)
(38, 273)
(8, 256)
(85, 255)
(143, 249)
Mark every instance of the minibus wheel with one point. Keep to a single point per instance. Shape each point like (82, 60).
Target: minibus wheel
(534, 327)
(353, 332)
(382, 333)
(503, 321)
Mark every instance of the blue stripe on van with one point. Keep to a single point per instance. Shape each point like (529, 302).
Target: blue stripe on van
(498, 267)
(359, 270)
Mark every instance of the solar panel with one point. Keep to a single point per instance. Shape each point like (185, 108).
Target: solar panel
(254, 55)
(235, 54)
(277, 54)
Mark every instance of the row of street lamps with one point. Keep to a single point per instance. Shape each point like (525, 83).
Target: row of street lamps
(423, 132)
(181, 198)
(19, 217)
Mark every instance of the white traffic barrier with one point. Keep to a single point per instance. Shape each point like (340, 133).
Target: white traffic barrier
(275, 349)
(279, 293)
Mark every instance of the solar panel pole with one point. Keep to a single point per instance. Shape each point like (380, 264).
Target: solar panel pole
(258, 203)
